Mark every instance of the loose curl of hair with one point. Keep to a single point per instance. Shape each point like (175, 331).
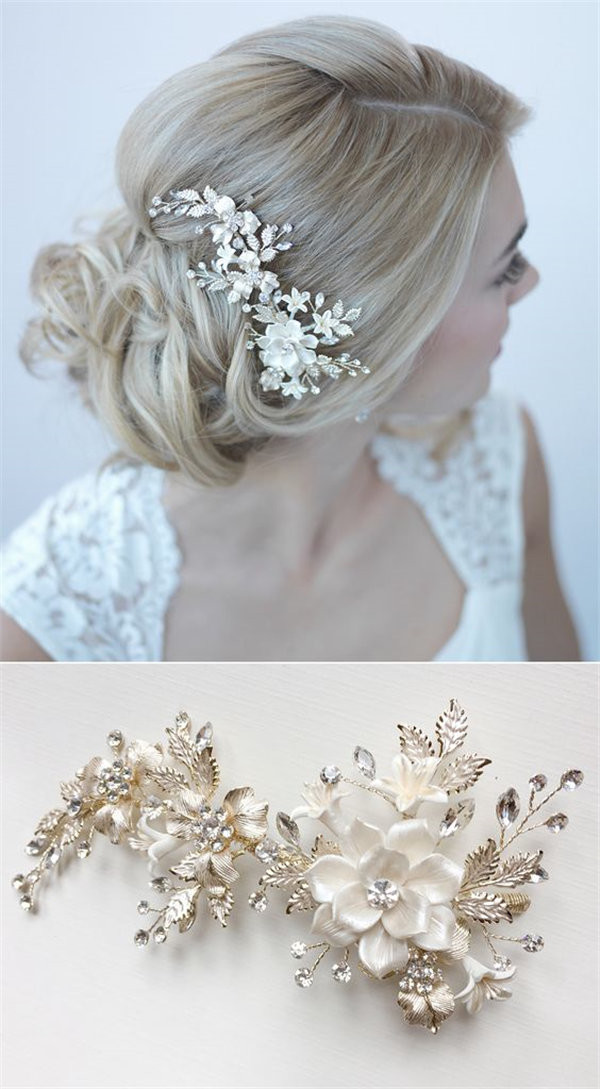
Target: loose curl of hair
(378, 151)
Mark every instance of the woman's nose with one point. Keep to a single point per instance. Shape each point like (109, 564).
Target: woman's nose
(528, 281)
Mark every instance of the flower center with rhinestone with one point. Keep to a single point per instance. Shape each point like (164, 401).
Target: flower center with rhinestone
(383, 893)
(115, 781)
(212, 829)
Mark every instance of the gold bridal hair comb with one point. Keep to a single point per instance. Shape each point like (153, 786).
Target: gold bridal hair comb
(287, 346)
(380, 880)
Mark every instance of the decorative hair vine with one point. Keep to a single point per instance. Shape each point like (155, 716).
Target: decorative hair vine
(380, 889)
(287, 345)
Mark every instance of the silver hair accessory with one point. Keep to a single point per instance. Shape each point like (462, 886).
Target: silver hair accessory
(380, 888)
(287, 347)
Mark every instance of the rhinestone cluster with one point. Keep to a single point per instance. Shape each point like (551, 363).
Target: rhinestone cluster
(420, 974)
(212, 829)
(115, 781)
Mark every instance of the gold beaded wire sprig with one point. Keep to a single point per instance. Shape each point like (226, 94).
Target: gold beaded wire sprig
(389, 894)
(160, 804)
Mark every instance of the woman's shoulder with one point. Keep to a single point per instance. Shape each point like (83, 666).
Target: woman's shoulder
(77, 573)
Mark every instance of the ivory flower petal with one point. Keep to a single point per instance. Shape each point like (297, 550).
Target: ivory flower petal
(381, 953)
(439, 930)
(411, 781)
(379, 860)
(482, 983)
(359, 838)
(328, 875)
(436, 877)
(411, 838)
(329, 929)
(411, 913)
(351, 907)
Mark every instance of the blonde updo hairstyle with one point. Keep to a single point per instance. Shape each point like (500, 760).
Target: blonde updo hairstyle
(380, 154)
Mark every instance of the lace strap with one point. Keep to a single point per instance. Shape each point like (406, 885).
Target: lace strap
(472, 499)
(89, 575)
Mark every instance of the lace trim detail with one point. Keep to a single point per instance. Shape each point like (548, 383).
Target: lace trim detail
(89, 575)
(472, 499)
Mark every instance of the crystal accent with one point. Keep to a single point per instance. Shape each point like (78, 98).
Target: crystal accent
(507, 807)
(182, 719)
(502, 964)
(330, 774)
(204, 736)
(159, 884)
(83, 849)
(19, 880)
(26, 902)
(143, 907)
(364, 760)
(571, 779)
(540, 874)
(266, 851)
(538, 782)
(115, 739)
(258, 901)
(152, 806)
(74, 805)
(114, 781)
(383, 893)
(557, 822)
(34, 847)
(342, 973)
(288, 829)
(298, 949)
(160, 935)
(420, 974)
(141, 937)
(304, 977)
(52, 857)
(457, 817)
(532, 942)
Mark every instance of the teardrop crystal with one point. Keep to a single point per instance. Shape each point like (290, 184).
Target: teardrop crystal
(538, 782)
(557, 822)
(571, 779)
(288, 829)
(182, 719)
(457, 817)
(507, 807)
(204, 736)
(365, 762)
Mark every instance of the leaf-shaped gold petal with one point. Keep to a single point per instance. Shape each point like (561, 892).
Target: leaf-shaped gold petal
(193, 867)
(49, 821)
(481, 865)
(265, 313)
(338, 309)
(517, 869)
(188, 802)
(222, 867)
(352, 315)
(342, 329)
(301, 899)
(486, 907)
(220, 907)
(451, 728)
(430, 1010)
(286, 871)
(414, 743)
(71, 789)
(168, 778)
(462, 772)
(180, 746)
(181, 904)
(206, 771)
(70, 832)
(461, 940)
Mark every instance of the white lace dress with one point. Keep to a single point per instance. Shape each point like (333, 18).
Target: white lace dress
(91, 573)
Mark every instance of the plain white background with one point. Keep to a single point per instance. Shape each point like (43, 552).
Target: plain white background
(73, 73)
(84, 1007)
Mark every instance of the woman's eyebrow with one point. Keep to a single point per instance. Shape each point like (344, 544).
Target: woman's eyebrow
(513, 242)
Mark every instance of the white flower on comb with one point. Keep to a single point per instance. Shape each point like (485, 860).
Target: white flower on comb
(287, 346)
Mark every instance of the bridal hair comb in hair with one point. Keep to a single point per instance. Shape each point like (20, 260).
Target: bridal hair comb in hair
(287, 346)
(381, 889)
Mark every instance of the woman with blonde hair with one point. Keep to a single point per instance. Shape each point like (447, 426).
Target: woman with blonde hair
(289, 327)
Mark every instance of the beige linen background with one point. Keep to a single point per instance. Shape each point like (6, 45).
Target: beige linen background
(84, 1007)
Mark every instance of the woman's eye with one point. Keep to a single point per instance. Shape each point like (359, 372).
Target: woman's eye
(515, 270)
